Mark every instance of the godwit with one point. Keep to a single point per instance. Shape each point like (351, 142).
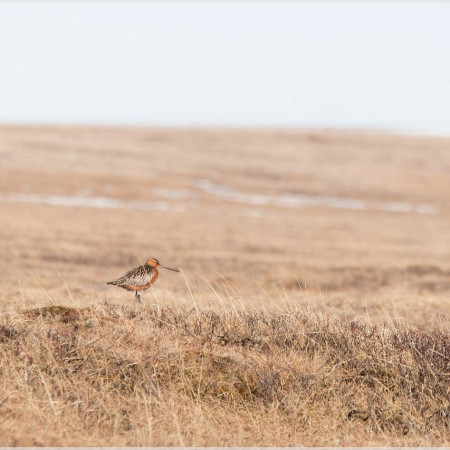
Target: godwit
(140, 278)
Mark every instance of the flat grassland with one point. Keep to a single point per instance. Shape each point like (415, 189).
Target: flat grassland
(312, 307)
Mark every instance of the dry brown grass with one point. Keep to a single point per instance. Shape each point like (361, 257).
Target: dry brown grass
(311, 325)
(117, 375)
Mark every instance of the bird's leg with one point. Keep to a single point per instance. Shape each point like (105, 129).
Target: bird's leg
(138, 296)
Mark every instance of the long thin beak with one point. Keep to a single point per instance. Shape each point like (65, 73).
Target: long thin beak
(169, 268)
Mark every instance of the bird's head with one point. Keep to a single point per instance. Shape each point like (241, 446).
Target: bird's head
(153, 262)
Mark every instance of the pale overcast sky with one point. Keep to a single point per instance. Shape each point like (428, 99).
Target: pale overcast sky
(352, 65)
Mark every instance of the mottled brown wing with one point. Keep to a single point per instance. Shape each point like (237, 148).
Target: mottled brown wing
(140, 276)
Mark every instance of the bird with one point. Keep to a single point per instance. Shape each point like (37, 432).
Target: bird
(141, 277)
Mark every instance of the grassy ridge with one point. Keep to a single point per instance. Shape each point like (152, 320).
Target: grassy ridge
(116, 375)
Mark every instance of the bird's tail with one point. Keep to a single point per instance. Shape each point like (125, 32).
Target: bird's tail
(111, 282)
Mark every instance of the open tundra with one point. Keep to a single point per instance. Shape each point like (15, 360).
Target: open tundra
(312, 307)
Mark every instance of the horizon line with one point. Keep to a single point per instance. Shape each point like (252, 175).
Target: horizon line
(406, 131)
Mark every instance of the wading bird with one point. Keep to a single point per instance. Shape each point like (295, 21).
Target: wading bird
(141, 277)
